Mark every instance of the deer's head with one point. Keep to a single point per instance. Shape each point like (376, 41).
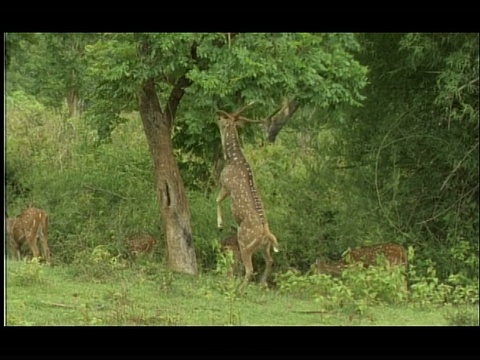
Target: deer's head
(228, 122)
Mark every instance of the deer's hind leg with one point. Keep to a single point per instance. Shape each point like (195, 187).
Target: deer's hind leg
(247, 263)
(268, 264)
(32, 243)
(246, 254)
(32, 239)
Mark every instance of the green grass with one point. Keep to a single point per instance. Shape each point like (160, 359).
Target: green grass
(147, 294)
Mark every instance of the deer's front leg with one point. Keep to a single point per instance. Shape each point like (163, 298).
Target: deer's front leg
(221, 196)
(32, 242)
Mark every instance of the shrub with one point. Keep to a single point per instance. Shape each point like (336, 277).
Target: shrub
(27, 273)
(98, 264)
(466, 316)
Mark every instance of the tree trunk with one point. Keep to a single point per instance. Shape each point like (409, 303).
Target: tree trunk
(72, 102)
(169, 185)
(278, 121)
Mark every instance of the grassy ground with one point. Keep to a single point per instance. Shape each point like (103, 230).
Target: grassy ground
(149, 295)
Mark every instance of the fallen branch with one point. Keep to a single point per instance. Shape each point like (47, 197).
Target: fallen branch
(312, 312)
(59, 305)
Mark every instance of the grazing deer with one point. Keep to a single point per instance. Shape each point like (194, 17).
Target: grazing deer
(395, 254)
(367, 255)
(30, 225)
(237, 181)
(141, 244)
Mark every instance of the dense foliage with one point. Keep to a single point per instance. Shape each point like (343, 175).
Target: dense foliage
(402, 168)
(417, 137)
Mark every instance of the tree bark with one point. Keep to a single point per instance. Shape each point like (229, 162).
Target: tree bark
(72, 102)
(174, 208)
(278, 121)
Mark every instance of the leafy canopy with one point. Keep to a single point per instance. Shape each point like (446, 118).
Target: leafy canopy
(228, 69)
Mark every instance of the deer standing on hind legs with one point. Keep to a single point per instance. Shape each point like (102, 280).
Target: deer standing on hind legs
(237, 181)
(31, 224)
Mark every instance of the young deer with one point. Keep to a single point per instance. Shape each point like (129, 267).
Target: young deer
(237, 181)
(141, 244)
(31, 224)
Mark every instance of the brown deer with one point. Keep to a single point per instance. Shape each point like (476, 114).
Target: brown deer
(141, 244)
(395, 254)
(27, 227)
(236, 180)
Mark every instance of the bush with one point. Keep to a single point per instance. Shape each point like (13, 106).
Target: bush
(331, 294)
(98, 264)
(382, 284)
(94, 195)
(27, 273)
(427, 289)
(316, 203)
(467, 316)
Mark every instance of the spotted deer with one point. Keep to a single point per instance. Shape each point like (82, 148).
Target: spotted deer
(141, 244)
(236, 180)
(27, 227)
(395, 254)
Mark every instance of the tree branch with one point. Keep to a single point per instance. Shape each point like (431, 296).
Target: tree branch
(280, 118)
(179, 88)
(176, 95)
(183, 82)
